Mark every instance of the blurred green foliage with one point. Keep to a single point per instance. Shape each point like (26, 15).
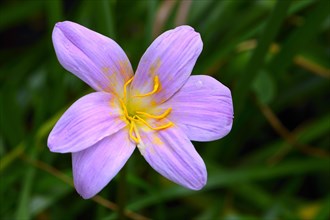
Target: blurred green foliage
(274, 55)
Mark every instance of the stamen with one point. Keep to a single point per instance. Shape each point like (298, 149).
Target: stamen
(124, 108)
(156, 87)
(166, 113)
(131, 129)
(154, 128)
(137, 134)
(125, 87)
(132, 120)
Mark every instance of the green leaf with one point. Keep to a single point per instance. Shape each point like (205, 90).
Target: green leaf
(264, 87)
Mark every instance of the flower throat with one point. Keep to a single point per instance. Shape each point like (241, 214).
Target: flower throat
(139, 117)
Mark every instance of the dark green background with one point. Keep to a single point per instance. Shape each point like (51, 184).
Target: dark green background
(273, 55)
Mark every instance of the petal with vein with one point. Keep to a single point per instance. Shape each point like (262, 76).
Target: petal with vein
(94, 167)
(86, 122)
(202, 108)
(171, 57)
(96, 59)
(171, 154)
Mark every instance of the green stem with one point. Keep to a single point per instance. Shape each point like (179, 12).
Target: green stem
(121, 196)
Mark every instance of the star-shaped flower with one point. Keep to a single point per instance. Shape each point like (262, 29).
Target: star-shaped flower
(159, 109)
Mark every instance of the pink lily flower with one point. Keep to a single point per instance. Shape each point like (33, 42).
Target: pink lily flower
(159, 109)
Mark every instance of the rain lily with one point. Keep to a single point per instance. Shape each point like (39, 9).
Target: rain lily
(159, 109)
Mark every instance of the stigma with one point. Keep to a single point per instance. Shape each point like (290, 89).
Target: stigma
(136, 117)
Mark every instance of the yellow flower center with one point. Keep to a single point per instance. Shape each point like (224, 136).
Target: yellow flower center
(135, 117)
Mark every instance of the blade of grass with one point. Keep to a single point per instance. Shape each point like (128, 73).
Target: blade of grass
(257, 60)
(198, 8)
(8, 158)
(66, 179)
(23, 211)
(54, 12)
(182, 13)
(217, 18)
(324, 212)
(292, 167)
(299, 38)
(18, 12)
(229, 177)
(242, 31)
(262, 200)
(150, 21)
(105, 18)
(121, 193)
(305, 133)
(82, 13)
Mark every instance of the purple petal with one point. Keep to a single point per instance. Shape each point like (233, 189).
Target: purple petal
(94, 167)
(94, 58)
(170, 153)
(171, 57)
(202, 108)
(86, 122)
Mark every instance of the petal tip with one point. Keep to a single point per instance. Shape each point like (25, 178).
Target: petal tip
(59, 25)
(185, 27)
(82, 189)
(50, 143)
(84, 193)
(53, 146)
(64, 26)
(54, 149)
(201, 182)
(188, 29)
(197, 185)
(85, 196)
(62, 23)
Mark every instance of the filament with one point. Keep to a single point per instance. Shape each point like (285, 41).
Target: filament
(156, 87)
(153, 128)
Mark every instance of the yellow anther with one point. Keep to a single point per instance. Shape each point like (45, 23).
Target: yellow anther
(156, 87)
(153, 128)
(166, 113)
